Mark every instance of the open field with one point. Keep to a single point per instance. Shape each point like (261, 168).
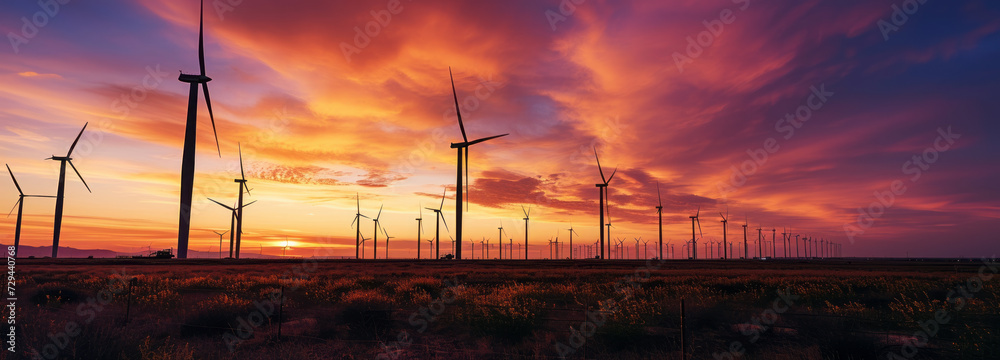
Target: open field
(830, 309)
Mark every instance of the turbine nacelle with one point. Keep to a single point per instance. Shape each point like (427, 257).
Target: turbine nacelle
(194, 79)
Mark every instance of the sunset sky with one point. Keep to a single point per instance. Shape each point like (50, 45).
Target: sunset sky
(318, 125)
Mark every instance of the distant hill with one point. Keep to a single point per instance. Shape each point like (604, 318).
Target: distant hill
(69, 252)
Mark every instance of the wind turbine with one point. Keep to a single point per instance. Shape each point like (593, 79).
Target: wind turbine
(61, 192)
(460, 147)
(527, 216)
(784, 241)
(20, 210)
(375, 237)
(797, 245)
(659, 214)
(774, 238)
(232, 226)
(603, 187)
(357, 235)
(420, 229)
(725, 232)
(387, 237)
(473, 249)
(220, 240)
(191, 137)
(239, 209)
(437, 224)
(746, 253)
(500, 240)
(694, 243)
(571, 231)
(760, 238)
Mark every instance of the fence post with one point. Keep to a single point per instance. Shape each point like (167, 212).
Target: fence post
(683, 344)
(281, 303)
(128, 303)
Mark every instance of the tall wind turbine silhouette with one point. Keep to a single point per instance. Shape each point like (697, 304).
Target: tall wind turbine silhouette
(725, 232)
(746, 253)
(527, 216)
(500, 241)
(659, 214)
(694, 243)
(61, 192)
(420, 229)
(571, 231)
(603, 187)
(239, 205)
(463, 155)
(191, 138)
(375, 237)
(19, 205)
(357, 234)
(437, 225)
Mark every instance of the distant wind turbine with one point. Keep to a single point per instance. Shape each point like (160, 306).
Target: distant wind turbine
(61, 192)
(437, 224)
(357, 234)
(232, 227)
(191, 138)
(725, 232)
(500, 241)
(659, 214)
(571, 232)
(420, 229)
(19, 205)
(603, 187)
(220, 240)
(375, 236)
(694, 242)
(527, 216)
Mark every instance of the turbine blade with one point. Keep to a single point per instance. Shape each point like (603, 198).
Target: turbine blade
(243, 175)
(524, 211)
(201, 37)
(660, 199)
(356, 217)
(612, 175)
(458, 111)
(211, 115)
(445, 225)
(443, 193)
(78, 175)
(221, 204)
(15, 181)
(474, 142)
(605, 180)
(248, 204)
(19, 199)
(70, 153)
(379, 213)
